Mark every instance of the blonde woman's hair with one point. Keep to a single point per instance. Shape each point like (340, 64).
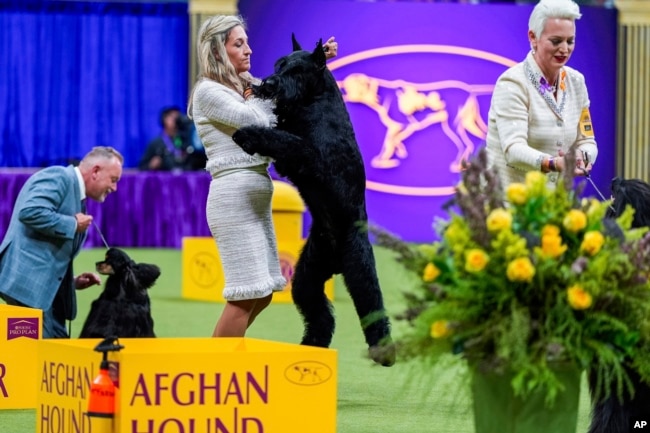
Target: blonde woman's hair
(214, 63)
(545, 9)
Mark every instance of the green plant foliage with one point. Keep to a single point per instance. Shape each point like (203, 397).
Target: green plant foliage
(528, 278)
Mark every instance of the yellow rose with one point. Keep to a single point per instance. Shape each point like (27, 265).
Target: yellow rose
(592, 242)
(440, 329)
(552, 246)
(499, 219)
(475, 260)
(578, 298)
(430, 273)
(550, 230)
(517, 193)
(520, 270)
(575, 220)
(535, 179)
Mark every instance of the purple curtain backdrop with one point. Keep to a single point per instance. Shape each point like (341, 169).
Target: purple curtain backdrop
(157, 210)
(148, 209)
(454, 50)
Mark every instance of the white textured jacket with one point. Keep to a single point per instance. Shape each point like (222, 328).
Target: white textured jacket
(526, 123)
(218, 112)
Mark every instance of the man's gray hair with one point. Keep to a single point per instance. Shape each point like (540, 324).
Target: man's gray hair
(101, 152)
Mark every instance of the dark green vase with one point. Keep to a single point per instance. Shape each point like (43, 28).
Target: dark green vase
(497, 410)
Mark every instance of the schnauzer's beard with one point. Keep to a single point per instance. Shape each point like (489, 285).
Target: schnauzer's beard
(280, 89)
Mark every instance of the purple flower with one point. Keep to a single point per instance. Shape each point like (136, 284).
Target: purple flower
(579, 265)
(545, 86)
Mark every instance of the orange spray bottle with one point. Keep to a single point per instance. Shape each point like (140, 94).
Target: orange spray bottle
(101, 400)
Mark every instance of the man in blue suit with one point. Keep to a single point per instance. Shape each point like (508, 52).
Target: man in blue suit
(47, 229)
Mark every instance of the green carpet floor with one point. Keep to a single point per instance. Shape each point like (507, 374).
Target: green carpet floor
(371, 399)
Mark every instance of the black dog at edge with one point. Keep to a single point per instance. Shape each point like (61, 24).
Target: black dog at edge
(611, 415)
(314, 146)
(123, 309)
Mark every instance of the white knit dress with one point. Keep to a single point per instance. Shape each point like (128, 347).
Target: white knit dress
(526, 124)
(238, 208)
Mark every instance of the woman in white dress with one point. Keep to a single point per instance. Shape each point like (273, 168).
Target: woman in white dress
(238, 206)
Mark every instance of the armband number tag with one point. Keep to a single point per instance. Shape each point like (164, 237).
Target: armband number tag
(586, 128)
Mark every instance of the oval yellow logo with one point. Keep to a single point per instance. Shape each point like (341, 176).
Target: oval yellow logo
(417, 126)
(308, 373)
(205, 270)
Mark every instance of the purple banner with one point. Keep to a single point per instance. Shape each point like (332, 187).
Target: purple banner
(417, 79)
(149, 209)
(28, 328)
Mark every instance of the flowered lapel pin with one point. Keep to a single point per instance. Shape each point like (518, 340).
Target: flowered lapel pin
(545, 86)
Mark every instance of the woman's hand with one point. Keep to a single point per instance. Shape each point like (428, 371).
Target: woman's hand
(580, 169)
(331, 48)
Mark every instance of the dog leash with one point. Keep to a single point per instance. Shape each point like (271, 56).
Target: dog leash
(100, 234)
(83, 210)
(585, 158)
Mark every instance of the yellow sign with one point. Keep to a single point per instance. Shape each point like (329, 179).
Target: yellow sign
(191, 385)
(64, 373)
(585, 123)
(203, 275)
(20, 332)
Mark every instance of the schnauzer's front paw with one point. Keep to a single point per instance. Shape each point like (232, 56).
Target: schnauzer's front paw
(383, 353)
(245, 139)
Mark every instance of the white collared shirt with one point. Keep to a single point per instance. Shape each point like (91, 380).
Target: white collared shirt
(82, 185)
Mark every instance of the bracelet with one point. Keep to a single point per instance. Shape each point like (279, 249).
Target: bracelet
(551, 164)
(543, 164)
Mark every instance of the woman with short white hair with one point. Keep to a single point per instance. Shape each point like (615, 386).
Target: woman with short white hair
(540, 107)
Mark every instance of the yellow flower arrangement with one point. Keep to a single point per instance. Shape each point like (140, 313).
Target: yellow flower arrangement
(592, 242)
(518, 281)
(499, 219)
(440, 329)
(578, 298)
(476, 260)
(517, 193)
(430, 273)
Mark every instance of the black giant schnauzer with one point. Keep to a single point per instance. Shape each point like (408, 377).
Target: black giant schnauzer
(611, 414)
(315, 147)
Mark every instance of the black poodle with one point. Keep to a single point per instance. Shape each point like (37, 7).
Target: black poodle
(612, 415)
(123, 309)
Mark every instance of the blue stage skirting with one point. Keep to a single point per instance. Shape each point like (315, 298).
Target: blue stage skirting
(148, 209)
